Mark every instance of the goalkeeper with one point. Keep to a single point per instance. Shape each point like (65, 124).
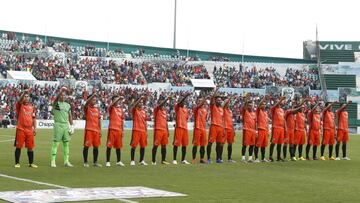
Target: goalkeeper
(62, 130)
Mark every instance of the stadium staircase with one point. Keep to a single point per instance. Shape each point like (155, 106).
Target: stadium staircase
(333, 82)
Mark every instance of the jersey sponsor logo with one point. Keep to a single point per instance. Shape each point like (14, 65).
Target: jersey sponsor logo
(94, 114)
(28, 113)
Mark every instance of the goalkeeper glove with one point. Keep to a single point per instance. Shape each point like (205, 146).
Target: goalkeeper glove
(72, 129)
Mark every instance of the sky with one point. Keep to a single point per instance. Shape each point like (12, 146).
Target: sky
(253, 27)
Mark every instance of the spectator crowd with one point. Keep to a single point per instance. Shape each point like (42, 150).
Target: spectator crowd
(175, 73)
(42, 97)
(245, 77)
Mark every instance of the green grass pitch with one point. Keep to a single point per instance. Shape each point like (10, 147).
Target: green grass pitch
(306, 181)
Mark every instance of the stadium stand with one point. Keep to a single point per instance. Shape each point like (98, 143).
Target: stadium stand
(137, 67)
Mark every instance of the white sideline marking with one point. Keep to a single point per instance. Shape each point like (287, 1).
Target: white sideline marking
(7, 135)
(49, 184)
(33, 181)
(6, 140)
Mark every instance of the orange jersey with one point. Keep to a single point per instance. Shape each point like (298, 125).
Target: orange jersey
(228, 118)
(25, 115)
(290, 120)
(116, 115)
(200, 115)
(181, 114)
(249, 121)
(262, 119)
(139, 119)
(278, 117)
(342, 120)
(309, 119)
(300, 122)
(160, 118)
(315, 121)
(216, 115)
(328, 120)
(92, 115)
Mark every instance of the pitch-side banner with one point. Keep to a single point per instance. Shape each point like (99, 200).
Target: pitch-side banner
(80, 124)
(43, 124)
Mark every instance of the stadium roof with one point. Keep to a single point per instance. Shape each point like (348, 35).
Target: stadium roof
(128, 48)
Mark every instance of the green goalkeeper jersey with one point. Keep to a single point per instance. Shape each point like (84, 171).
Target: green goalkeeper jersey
(61, 112)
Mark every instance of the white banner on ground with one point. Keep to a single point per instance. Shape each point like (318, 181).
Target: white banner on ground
(84, 194)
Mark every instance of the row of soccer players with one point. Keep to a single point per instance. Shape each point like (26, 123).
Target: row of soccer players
(288, 129)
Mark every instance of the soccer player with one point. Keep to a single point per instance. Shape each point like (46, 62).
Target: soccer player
(263, 130)
(115, 130)
(314, 131)
(249, 129)
(92, 136)
(216, 132)
(181, 136)
(62, 131)
(278, 128)
(139, 131)
(290, 130)
(199, 139)
(328, 138)
(161, 131)
(25, 128)
(300, 131)
(229, 128)
(342, 135)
